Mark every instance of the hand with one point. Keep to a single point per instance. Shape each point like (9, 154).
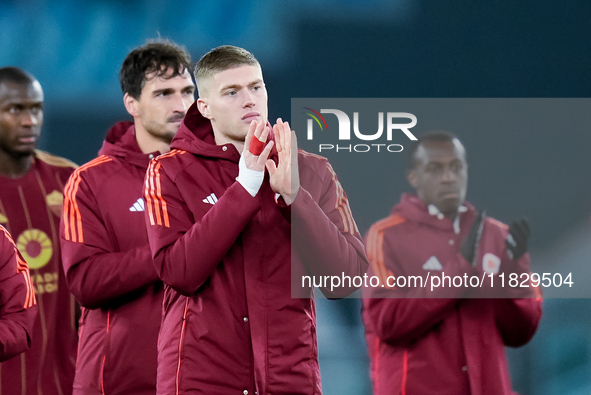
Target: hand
(284, 177)
(261, 132)
(251, 168)
(470, 244)
(517, 240)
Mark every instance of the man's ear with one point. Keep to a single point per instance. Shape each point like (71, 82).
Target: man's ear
(411, 176)
(131, 105)
(203, 106)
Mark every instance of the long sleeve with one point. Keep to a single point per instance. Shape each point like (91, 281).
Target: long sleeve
(187, 247)
(96, 271)
(518, 318)
(18, 307)
(401, 315)
(323, 230)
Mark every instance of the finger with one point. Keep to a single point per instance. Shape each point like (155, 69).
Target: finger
(264, 133)
(279, 135)
(266, 152)
(518, 232)
(271, 168)
(287, 137)
(248, 138)
(525, 226)
(294, 144)
(259, 132)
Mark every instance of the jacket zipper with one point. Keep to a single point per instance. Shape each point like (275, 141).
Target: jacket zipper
(105, 354)
(178, 370)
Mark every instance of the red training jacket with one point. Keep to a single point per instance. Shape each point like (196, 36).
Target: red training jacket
(230, 324)
(453, 344)
(30, 209)
(18, 307)
(109, 269)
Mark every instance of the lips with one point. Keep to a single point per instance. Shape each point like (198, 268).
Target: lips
(251, 116)
(27, 139)
(449, 194)
(176, 119)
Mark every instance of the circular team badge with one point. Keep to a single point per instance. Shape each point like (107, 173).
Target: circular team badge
(36, 247)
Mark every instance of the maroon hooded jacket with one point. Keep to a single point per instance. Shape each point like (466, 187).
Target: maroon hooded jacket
(109, 269)
(18, 307)
(230, 324)
(453, 344)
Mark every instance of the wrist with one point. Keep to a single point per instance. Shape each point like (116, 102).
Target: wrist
(251, 180)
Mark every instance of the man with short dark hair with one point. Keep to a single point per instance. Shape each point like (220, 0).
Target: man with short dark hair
(31, 187)
(219, 207)
(443, 341)
(105, 246)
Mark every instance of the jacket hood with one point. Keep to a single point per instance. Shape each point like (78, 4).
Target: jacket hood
(120, 142)
(414, 209)
(196, 136)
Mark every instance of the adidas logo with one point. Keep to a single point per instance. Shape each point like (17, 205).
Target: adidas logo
(211, 199)
(432, 264)
(138, 206)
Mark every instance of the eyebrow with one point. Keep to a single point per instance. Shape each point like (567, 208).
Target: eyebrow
(24, 103)
(170, 90)
(238, 86)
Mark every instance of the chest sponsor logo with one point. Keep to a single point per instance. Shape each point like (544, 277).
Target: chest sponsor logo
(3, 219)
(45, 283)
(211, 199)
(36, 247)
(138, 206)
(491, 263)
(432, 264)
(55, 202)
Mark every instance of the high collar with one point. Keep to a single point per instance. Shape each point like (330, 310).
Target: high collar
(121, 142)
(414, 209)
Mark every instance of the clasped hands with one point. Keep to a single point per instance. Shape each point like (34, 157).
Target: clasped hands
(283, 176)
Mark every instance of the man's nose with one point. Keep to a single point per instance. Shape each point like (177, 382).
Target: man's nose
(248, 99)
(449, 175)
(180, 104)
(28, 118)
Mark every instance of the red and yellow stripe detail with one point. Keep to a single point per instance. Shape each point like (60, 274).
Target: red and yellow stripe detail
(375, 246)
(72, 217)
(155, 203)
(22, 268)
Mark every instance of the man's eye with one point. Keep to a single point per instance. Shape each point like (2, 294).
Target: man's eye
(230, 93)
(14, 110)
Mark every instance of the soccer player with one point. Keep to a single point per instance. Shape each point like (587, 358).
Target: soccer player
(18, 307)
(219, 230)
(452, 344)
(32, 184)
(105, 246)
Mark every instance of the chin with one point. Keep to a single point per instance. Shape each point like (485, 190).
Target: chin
(20, 153)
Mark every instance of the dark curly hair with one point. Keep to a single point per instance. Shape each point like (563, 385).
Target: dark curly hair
(155, 57)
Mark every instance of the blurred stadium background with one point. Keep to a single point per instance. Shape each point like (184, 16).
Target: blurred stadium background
(370, 48)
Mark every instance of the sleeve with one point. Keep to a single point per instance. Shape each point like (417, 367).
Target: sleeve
(97, 274)
(187, 247)
(518, 318)
(325, 235)
(18, 306)
(401, 316)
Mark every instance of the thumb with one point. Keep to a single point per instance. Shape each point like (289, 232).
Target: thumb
(271, 168)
